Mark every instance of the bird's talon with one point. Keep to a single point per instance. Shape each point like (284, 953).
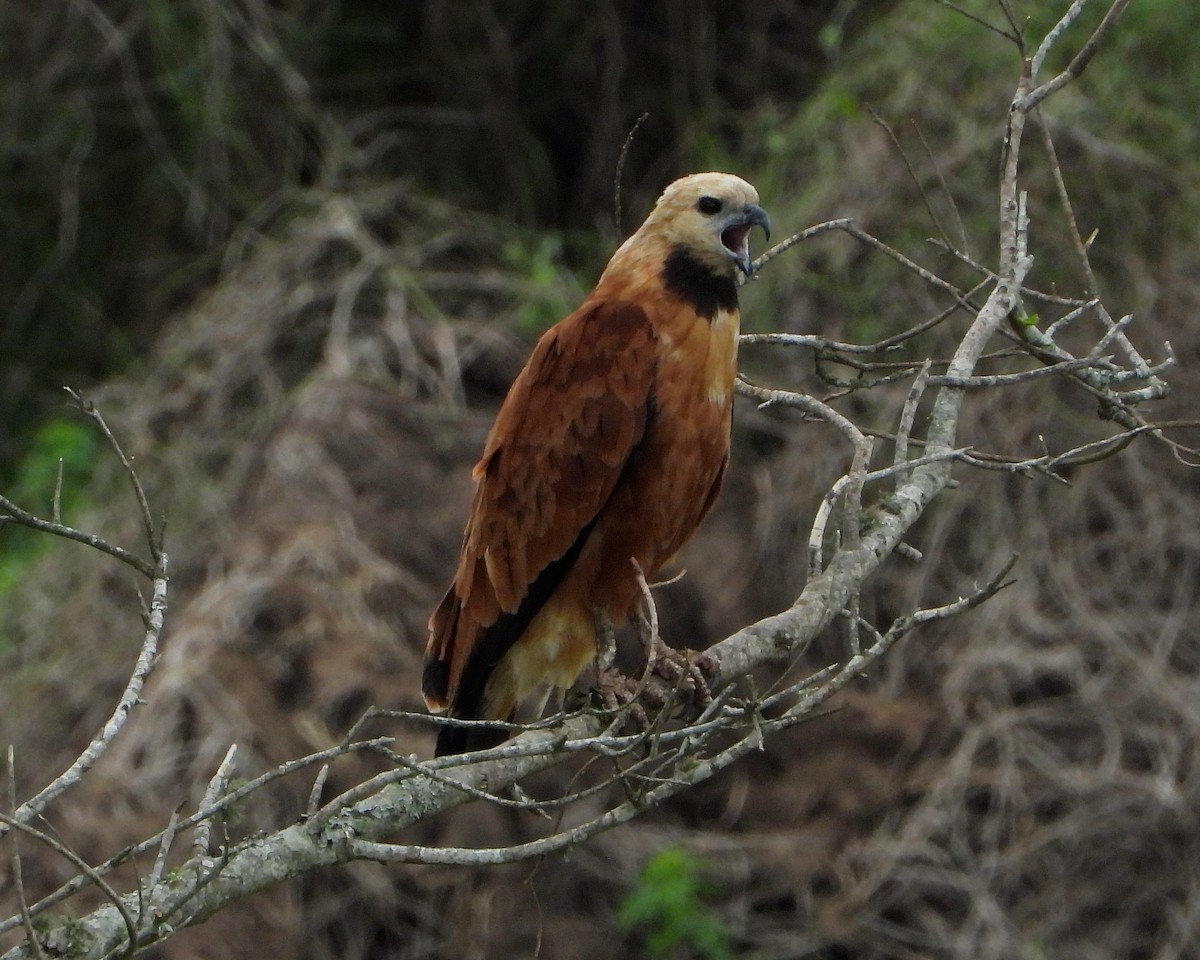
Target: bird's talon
(684, 670)
(620, 693)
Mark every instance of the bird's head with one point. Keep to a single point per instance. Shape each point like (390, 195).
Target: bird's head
(710, 216)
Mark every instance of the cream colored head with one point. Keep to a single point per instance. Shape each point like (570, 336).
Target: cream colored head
(709, 215)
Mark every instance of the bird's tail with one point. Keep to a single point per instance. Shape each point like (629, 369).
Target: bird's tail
(454, 739)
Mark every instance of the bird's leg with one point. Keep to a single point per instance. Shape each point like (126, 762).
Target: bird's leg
(683, 670)
(551, 695)
(606, 641)
(616, 690)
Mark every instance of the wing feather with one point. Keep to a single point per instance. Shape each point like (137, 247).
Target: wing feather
(565, 432)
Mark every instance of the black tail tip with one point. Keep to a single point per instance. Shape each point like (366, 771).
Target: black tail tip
(454, 740)
(435, 680)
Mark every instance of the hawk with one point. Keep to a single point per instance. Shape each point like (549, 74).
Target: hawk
(606, 455)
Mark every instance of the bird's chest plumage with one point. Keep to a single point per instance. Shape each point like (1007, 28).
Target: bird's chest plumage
(679, 465)
(694, 399)
(693, 393)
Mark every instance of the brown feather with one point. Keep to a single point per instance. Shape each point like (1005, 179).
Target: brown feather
(609, 448)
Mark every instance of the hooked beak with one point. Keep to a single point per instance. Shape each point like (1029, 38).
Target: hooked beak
(736, 235)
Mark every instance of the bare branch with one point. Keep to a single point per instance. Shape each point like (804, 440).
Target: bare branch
(858, 665)
(18, 877)
(1051, 38)
(1068, 318)
(978, 380)
(115, 900)
(796, 238)
(26, 519)
(912, 174)
(1018, 35)
(216, 786)
(56, 502)
(1030, 292)
(1030, 99)
(962, 229)
(929, 277)
(813, 341)
(1060, 184)
(164, 838)
(909, 413)
(979, 20)
(810, 405)
(129, 699)
(618, 176)
(153, 539)
(314, 795)
(166, 841)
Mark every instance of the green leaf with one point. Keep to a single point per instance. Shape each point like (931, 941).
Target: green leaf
(668, 906)
(59, 444)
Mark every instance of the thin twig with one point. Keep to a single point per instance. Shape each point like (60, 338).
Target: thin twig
(979, 20)
(73, 886)
(978, 380)
(857, 666)
(1060, 185)
(1017, 35)
(1027, 101)
(84, 869)
(165, 842)
(27, 519)
(216, 786)
(314, 795)
(931, 278)
(909, 413)
(958, 220)
(153, 539)
(768, 397)
(1068, 318)
(912, 174)
(129, 699)
(990, 274)
(56, 502)
(796, 238)
(618, 176)
(1057, 31)
(18, 876)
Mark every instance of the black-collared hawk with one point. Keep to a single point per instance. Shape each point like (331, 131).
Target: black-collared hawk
(610, 448)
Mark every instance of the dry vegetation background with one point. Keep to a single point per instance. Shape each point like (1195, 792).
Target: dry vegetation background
(297, 252)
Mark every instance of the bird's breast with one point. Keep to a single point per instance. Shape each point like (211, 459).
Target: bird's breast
(721, 363)
(687, 442)
(699, 359)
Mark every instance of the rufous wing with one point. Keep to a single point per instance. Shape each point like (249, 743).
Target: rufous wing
(567, 430)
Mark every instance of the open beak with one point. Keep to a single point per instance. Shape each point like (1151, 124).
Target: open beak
(736, 235)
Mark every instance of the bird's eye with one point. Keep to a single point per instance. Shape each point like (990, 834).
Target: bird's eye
(708, 205)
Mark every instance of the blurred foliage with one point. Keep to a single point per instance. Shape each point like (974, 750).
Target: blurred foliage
(138, 137)
(554, 291)
(60, 452)
(135, 135)
(521, 106)
(668, 906)
(143, 140)
(1132, 119)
